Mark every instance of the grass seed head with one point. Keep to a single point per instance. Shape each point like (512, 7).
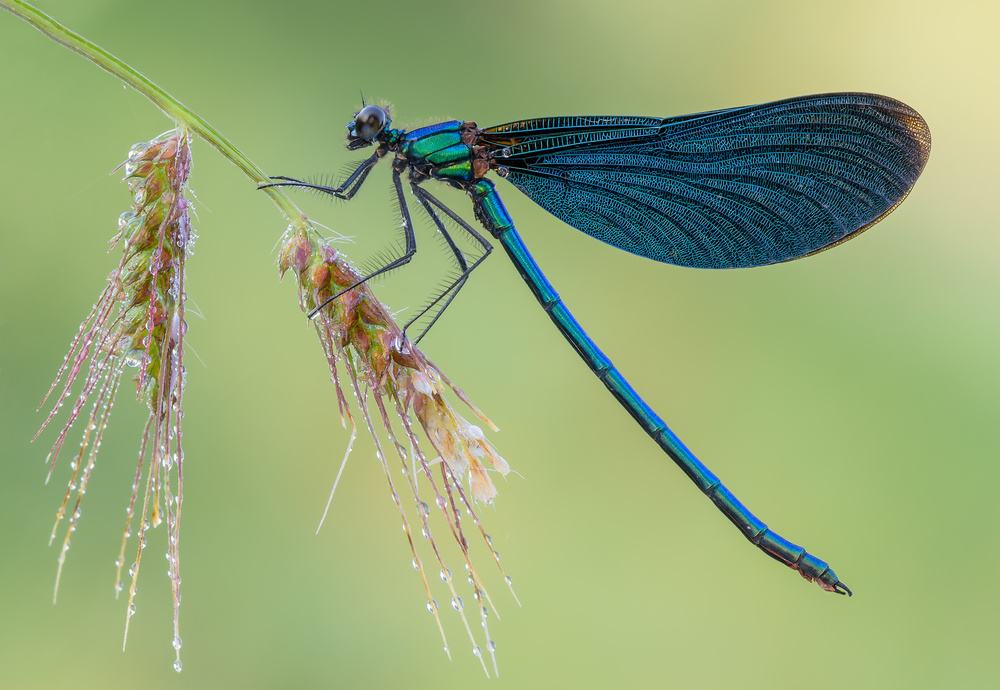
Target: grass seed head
(137, 323)
(388, 373)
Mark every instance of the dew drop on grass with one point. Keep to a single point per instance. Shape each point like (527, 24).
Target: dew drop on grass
(138, 149)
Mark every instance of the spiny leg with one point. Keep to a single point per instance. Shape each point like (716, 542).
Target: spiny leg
(463, 267)
(427, 200)
(346, 190)
(411, 246)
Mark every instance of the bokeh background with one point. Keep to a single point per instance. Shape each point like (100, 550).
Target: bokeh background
(849, 399)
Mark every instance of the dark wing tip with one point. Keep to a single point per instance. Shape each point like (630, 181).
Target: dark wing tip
(916, 129)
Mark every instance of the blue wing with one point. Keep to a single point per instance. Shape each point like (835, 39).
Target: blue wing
(726, 189)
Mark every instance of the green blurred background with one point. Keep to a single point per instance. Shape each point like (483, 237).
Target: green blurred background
(849, 399)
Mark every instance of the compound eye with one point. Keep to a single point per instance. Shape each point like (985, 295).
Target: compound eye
(370, 122)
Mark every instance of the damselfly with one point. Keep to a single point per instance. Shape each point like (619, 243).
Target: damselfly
(730, 188)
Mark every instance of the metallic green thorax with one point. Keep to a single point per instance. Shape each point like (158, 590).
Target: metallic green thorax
(443, 151)
(427, 142)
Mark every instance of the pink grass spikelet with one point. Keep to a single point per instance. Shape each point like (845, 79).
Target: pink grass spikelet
(388, 373)
(137, 322)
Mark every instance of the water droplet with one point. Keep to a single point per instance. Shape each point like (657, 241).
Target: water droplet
(131, 609)
(416, 566)
(177, 642)
(138, 149)
(441, 502)
(491, 645)
(432, 606)
(445, 574)
(446, 649)
(469, 580)
(505, 152)
(423, 509)
(131, 570)
(477, 651)
(178, 666)
(135, 358)
(507, 579)
(457, 604)
(489, 540)
(423, 531)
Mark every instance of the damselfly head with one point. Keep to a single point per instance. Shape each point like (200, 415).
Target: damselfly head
(368, 123)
